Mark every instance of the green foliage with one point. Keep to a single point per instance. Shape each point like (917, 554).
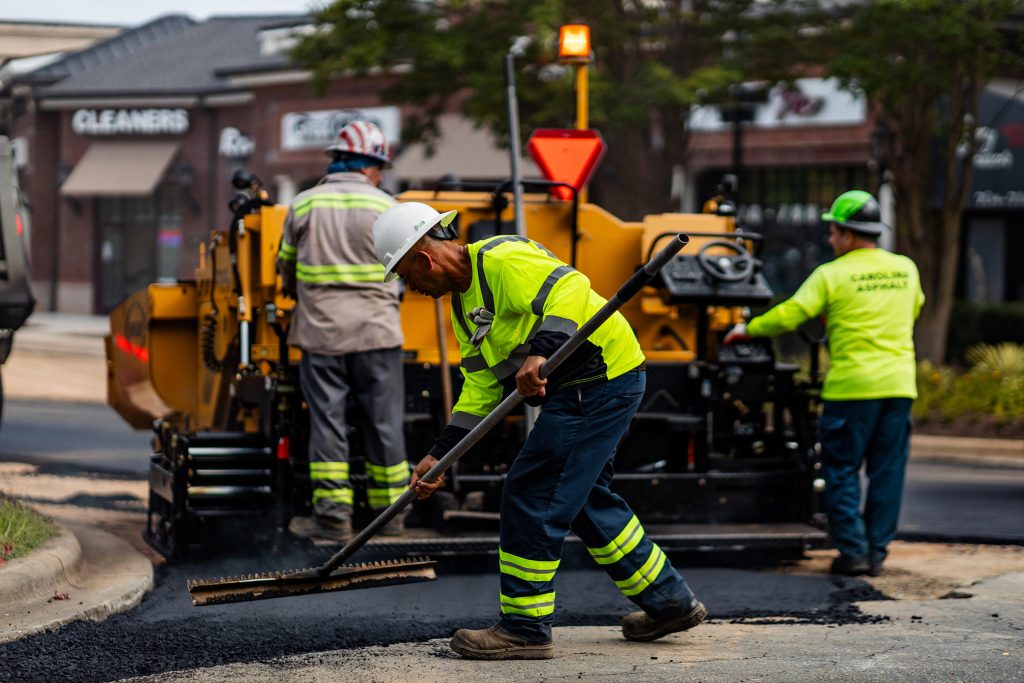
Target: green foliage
(976, 323)
(21, 529)
(653, 61)
(923, 64)
(994, 385)
(916, 52)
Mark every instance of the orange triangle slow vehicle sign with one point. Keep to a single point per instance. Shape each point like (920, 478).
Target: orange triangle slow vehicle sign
(566, 156)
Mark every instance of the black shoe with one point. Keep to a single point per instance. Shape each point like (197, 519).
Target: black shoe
(849, 565)
(875, 568)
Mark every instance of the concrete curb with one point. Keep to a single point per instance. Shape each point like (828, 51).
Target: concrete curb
(971, 451)
(44, 569)
(111, 577)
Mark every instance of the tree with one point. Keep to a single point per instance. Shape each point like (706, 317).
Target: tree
(654, 60)
(923, 64)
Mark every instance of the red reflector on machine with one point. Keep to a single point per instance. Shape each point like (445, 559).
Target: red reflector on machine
(282, 448)
(140, 352)
(567, 156)
(19, 224)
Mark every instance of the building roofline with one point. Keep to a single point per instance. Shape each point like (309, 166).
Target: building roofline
(125, 41)
(63, 24)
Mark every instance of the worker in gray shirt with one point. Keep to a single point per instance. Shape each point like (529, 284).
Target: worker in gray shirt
(347, 324)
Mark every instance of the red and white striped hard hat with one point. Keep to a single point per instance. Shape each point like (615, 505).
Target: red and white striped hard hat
(363, 138)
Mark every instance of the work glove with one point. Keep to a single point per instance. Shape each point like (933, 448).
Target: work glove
(737, 335)
(482, 318)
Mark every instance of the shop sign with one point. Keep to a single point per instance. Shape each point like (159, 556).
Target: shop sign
(235, 145)
(999, 145)
(302, 130)
(130, 122)
(807, 102)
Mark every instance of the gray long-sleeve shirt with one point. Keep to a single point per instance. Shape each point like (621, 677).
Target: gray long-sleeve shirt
(327, 258)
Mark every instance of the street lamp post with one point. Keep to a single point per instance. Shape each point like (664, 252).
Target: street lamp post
(574, 48)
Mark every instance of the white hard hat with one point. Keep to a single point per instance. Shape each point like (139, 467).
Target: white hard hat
(362, 138)
(402, 226)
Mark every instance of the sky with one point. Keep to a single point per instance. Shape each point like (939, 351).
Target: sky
(134, 12)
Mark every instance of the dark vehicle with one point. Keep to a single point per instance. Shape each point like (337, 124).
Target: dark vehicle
(16, 301)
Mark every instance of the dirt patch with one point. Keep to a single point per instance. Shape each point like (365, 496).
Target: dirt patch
(55, 376)
(926, 571)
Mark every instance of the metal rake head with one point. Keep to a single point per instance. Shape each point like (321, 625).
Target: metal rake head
(306, 581)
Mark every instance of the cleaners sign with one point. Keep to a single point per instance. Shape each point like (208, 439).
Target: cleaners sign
(130, 122)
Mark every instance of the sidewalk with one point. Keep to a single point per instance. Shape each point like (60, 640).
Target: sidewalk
(83, 573)
(58, 357)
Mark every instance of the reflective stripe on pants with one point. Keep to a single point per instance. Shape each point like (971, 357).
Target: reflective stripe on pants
(374, 379)
(560, 480)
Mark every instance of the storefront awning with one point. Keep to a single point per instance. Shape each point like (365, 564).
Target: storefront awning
(119, 168)
(462, 150)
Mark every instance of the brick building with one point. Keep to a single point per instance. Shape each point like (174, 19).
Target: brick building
(130, 145)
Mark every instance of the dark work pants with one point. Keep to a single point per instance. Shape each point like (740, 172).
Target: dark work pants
(560, 480)
(875, 434)
(375, 379)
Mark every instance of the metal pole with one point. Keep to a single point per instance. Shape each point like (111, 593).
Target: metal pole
(582, 110)
(531, 413)
(513, 133)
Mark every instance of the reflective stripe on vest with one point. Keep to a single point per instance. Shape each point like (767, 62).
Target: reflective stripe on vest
(286, 252)
(363, 272)
(515, 359)
(342, 201)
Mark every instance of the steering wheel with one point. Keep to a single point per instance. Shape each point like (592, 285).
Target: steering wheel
(735, 267)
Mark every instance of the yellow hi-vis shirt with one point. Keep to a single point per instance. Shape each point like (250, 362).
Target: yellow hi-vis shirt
(530, 292)
(870, 299)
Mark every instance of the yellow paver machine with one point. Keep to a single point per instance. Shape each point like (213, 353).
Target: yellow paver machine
(722, 455)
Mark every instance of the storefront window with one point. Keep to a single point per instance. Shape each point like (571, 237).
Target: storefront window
(169, 233)
(140, 242)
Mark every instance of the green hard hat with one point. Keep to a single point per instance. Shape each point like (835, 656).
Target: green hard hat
(856, 210)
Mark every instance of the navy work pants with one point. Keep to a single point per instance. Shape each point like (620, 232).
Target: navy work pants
(874, 434)
(560, 480)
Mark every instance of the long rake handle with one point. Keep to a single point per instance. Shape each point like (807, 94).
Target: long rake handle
(625, 293)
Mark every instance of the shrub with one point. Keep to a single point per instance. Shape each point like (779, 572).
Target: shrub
(994, 385)
(1004, 364)
(976, 323)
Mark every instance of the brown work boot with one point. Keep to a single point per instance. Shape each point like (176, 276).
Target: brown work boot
(497, 643)
(642, 627)
(322, 529)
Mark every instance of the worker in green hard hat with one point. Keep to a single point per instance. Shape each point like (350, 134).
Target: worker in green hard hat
(869, 299)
